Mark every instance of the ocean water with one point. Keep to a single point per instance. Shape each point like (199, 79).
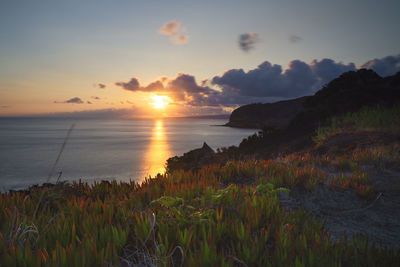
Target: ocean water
(101, 149)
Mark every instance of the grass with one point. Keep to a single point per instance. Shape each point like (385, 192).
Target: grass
(204, 218)
(376, 118)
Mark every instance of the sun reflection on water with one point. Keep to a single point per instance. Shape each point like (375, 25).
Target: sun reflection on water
(157, 152)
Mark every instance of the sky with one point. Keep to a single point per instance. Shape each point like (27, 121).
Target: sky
(128, 58)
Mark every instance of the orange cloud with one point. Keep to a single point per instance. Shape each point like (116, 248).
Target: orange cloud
(176, 32)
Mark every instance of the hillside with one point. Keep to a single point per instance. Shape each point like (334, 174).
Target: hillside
(349, 92)
(324, 191)
(273, 115)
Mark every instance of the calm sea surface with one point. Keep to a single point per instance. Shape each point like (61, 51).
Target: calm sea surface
(101, 149)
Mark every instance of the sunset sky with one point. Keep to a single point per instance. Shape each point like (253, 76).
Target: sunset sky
(178, 58)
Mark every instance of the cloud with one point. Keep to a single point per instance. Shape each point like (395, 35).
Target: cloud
(295, 38)
(176, 32)
(170, 27)
(183, 88)
(179, 38)
(386, 66)
(88, 102)
(132, 85)
(74, 100)
(247, 41)
(101, 85)
(4, 106)
(266, 83)
(326, 70)
(95, 97)
(154, 86)
(269, 80)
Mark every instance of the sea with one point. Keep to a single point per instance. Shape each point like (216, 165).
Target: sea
(122, 150)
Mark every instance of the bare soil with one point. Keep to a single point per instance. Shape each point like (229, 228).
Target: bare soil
(377, 217)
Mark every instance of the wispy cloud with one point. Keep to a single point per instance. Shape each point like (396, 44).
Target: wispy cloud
(295, 38)
(74, 100)
(101, 85)
(176, 32)
(247, 41)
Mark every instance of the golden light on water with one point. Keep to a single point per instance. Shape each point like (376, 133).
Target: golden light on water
(157, 152)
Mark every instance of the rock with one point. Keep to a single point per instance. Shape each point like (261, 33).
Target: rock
(191, 160)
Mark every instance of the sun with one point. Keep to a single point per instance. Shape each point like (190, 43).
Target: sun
(160, 101)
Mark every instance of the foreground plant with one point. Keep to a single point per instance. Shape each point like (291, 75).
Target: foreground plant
(204, 218)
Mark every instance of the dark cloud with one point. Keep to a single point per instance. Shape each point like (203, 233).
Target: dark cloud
(132, 85)
(266, 83)
(386, 66)
(326, 70)
(295, 38)
(268, 80)
(154, 86)
(95, 97)
(101, 85)
(184, 87)
(88, 102)
(247, 41)
(74, 100)
(4, 106)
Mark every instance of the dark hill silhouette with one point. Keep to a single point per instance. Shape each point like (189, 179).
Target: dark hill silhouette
(302, 116)
(348, 93)
(274, 115)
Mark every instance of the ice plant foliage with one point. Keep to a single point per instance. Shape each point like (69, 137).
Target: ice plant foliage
(203, 218)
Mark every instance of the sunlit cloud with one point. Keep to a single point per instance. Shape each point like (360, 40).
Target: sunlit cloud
(266, 83)
(160, 102)
(176, 32)
(170, 27)
(182, 88)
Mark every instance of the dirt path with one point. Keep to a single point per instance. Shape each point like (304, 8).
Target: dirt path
(377, 217)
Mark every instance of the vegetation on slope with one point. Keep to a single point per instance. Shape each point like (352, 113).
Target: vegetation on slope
(223, 214)
(375, 119)
(219, 216)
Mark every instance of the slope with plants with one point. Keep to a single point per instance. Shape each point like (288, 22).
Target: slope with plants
(218, 216)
